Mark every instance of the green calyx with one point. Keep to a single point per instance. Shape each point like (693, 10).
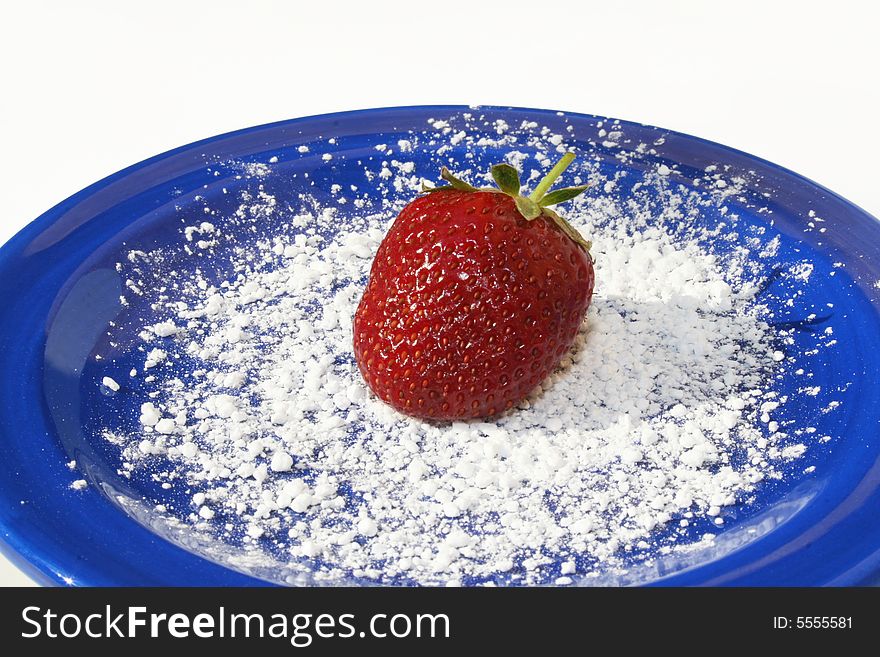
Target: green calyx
(532, 206)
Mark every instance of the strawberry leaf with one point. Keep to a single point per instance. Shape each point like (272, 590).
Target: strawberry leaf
(569, 230)
(562, 195)
(507, 178)
(527, 207)
(439, 188)
(457, 183)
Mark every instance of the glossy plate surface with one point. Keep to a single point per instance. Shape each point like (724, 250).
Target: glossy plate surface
(59, 291)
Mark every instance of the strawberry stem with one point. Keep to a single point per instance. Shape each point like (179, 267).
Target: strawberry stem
(548, 180)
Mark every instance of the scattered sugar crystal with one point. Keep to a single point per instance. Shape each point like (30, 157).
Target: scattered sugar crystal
(164, 329)
(165, 425)
(149, 414)
(281, 462)
(154, 357)
(367, 527)
(188, 450)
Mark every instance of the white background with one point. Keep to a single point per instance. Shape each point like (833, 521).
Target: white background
(87, 88)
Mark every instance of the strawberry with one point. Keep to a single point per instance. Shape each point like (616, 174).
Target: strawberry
(473, 298)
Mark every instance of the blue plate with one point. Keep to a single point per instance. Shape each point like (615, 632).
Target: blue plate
(59, 291)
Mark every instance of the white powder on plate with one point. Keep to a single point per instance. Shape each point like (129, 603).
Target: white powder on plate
(661, 409)
(110, 384)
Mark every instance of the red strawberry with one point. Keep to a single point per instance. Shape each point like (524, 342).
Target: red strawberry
(474, 297)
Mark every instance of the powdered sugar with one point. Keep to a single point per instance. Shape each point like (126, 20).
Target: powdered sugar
(662, 411)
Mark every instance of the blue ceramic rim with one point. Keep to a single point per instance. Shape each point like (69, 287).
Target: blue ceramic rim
(33, 556)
